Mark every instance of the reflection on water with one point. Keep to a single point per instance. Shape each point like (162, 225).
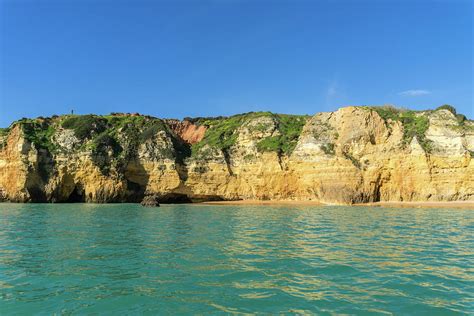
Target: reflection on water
(83, 258)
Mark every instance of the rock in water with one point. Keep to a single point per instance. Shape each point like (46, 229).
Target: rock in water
(150, 201)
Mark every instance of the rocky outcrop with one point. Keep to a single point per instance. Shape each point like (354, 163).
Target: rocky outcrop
(353, 155)
(150, 201)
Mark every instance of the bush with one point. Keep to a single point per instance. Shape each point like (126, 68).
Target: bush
(461, 118)
(101, 145)
(290, 127)
(104, 142)
(223, 132)
(4, 131)
(413, 124)
(388, 112)
(39, 134)
(85, 126)
(448, 107)
(149, 132)
(272, 143)
(328, 148)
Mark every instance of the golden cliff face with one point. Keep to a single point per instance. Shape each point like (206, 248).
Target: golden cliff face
(355, 154)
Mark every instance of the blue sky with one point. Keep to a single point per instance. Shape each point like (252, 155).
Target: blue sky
(205, 58)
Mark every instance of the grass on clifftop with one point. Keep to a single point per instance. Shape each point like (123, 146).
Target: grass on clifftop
(414, 124)
(290, 127)
(84, 126)
(133, 128)
(114, 139)
(222, 132)
(461, 118)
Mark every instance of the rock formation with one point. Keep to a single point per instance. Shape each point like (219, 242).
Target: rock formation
(150, 201)
(352, 155)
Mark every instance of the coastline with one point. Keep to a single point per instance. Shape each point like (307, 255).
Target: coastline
(416, 204)
(423, 204)
(263, 202)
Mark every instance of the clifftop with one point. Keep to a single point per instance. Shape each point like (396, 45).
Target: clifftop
(355, 154)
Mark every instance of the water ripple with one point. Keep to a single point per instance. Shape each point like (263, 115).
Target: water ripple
(194, 259)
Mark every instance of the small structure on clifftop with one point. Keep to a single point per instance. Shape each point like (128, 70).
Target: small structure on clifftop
(150, 201)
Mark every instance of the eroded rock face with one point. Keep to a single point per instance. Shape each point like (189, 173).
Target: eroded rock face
(348, 156)
(187, 131)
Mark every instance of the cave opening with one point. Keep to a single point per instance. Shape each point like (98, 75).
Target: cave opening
(175, 198)
(77, 195)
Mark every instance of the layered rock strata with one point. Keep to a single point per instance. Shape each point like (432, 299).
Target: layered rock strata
(352, 155)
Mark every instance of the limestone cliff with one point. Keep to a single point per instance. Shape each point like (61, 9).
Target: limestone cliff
(355, 154)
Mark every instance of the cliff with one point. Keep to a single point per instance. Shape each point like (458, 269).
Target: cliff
(352, 155)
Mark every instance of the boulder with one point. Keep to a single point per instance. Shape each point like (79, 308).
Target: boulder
(150, 201)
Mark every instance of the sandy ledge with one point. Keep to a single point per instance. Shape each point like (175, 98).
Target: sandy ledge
(452, 204)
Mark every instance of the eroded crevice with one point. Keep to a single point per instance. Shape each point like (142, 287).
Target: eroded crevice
(77, 195)
(227, 161)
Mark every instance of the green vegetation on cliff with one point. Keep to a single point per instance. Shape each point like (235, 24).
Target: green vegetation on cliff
(114, 139)
(290, 127)
(222, 132)
(118, 136)
(461, 118)
(39, 132)
(3, 136)
(4, 131)
(414, 123)
(85, 126)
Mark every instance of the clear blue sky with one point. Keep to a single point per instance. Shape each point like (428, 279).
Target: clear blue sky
(203, 58)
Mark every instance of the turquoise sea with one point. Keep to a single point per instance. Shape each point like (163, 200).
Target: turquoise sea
(194, 259)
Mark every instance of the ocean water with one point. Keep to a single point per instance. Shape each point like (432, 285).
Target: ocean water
(194, 259)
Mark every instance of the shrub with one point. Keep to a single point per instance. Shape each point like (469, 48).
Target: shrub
(221, 133)
(101, 145)
(104, 142)
(3, 134)
(388, 112)
(448, 107)
(461, 118)
(413, 124)
(39, 134)
(149, 132)
(85, 126)
(4, 131)
(290, 127)
(272, 143)
(328, 148)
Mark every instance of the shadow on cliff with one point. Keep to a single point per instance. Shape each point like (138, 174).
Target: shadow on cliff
(137, 179)
(39, 175)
